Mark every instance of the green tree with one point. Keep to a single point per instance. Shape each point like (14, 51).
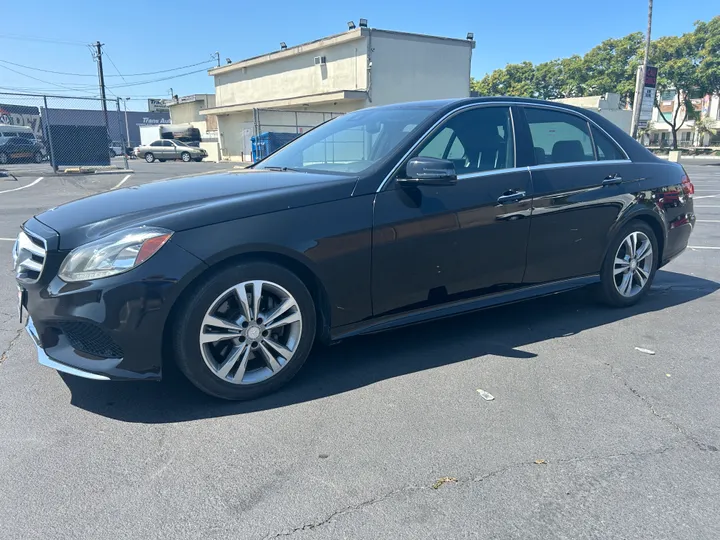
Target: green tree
(611, 66)
(707, 42)
(676, 60)
(560, 78)
(512, 80)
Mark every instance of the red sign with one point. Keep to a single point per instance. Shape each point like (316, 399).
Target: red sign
(651, 76)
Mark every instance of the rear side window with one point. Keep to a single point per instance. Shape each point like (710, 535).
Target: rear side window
(606, 149)
(559, 137)
(156, 143)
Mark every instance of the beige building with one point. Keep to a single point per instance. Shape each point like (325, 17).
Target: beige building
(608, 106)
(294, 89)
(186, 110)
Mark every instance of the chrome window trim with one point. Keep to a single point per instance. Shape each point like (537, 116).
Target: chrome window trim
(491, 172)
(577, 163)
(510, 104)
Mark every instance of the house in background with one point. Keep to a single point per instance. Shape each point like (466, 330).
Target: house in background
(296, 88)
(708, 107)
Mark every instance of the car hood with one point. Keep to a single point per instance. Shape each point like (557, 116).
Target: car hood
(191, 202)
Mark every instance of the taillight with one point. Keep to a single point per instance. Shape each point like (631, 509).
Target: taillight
(687, 185)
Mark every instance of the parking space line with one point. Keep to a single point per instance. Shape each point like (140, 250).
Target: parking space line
(707, 196)
(23, 187)
(121, 182)
(703, 247)
(708, 221)
(7, 239)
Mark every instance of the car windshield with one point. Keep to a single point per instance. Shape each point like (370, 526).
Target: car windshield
(179, 143)
(350, 143)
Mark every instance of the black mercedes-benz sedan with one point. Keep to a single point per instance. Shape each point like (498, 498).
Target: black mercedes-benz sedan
(383, 217)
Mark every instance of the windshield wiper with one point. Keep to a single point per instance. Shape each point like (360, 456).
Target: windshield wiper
(283, 169)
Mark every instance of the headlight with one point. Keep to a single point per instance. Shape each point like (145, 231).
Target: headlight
(114, 254)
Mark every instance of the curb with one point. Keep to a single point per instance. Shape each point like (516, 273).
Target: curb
(72, 171)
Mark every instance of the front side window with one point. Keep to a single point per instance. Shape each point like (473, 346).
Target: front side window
(351, 143)
(167, 143)
(559, 137)
(476, 140)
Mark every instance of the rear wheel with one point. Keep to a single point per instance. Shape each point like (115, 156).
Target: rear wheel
(112, 153)
(3, 157)
(149, 157)
(630, 265)
(185, 156)
(245, 331)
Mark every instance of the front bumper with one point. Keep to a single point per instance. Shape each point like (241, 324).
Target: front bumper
(111, 328)
(46, 361)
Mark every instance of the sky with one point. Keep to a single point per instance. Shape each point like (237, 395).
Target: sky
(147, 38)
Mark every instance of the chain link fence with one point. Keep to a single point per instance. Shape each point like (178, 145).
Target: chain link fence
(47, 133)
(274, 128)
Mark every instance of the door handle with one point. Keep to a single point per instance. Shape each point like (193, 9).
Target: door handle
(511, 196)
(612, 180)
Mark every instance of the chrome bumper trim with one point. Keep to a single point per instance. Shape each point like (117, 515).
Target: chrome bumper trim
(46, 361)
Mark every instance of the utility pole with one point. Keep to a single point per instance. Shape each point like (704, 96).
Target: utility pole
(640, 81)
(217, 57)
(101, 77)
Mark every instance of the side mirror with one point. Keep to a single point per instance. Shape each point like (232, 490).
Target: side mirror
(429, 171)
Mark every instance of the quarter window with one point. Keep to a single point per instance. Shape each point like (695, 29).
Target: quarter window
(559, 137)
(606, 149)
(475, 140)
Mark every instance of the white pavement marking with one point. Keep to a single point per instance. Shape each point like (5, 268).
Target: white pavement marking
(7, 239)
(708, 220)
(703, 247)
(707, 196)
(709, 206)
(122, 182)
(23, 187)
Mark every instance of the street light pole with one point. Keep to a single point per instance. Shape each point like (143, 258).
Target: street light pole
(640, 81)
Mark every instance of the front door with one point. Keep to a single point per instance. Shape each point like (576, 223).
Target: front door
(435, 244)
(169, 150)
(582, 181)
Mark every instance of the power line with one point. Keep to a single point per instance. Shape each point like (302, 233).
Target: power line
(42, 40)
(45, 82)
(113, 64)
(141, 83)
(95, 75)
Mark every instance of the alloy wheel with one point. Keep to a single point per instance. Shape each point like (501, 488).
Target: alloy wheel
(633, 264)
(250, 332)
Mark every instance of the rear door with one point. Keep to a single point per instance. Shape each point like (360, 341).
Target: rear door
(582, 180)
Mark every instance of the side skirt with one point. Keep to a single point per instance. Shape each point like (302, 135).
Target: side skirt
(459, 307)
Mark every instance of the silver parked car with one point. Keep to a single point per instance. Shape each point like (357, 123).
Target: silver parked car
(165, 149)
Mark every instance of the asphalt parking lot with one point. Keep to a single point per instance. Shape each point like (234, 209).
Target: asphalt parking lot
(386, 436)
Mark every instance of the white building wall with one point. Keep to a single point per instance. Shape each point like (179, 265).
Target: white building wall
(410, 68)
(296, 76)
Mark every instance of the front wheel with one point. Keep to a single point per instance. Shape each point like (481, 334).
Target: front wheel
(4, 158)
(245, 331)
(37, 157)
(185, 156)
(149, 157)
(630, 265)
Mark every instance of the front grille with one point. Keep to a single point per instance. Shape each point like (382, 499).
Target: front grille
(89, 338)
(29, 254)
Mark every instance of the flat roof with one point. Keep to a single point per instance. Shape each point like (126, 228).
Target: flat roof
(335, 39)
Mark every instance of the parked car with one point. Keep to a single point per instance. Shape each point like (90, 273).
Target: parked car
(380, 218)
(165, 149)
(21, 149)
(116, 149)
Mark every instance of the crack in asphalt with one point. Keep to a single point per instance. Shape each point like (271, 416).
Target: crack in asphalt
(460, 481)
(4, 354)
(677, 427)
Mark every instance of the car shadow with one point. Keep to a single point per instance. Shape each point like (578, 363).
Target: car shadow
(364, 360)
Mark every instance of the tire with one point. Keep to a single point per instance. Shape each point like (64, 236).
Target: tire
(4, 158)
(149, 157)
(37, 157)
(112, 153)
(162, 160)
(203, 364)
(185, 156)
(635, 275)
(198, 160)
